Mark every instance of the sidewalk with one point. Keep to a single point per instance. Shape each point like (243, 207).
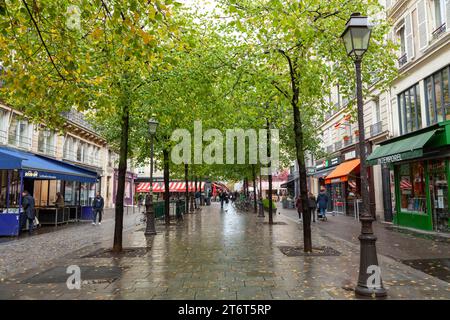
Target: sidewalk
(215, 254)
(412, 248)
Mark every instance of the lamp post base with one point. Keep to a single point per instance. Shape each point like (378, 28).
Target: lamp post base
(150, 229)
(370, 283)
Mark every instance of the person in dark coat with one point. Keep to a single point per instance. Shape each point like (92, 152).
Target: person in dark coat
(312, 205)
(98, 205)
(322, 202)
(298, 205)
(222, 198)
(28, 207)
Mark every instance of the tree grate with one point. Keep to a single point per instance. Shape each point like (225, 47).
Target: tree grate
(135, 252)
(291, 251)
(280, 223)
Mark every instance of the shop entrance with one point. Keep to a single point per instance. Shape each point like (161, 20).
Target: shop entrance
(439, 194)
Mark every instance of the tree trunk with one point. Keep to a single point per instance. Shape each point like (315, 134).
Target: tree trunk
(123, 154)
(186, 178)
(307, 241)
(166, 185)
(195, 193)
(254, 188)
(270, 175)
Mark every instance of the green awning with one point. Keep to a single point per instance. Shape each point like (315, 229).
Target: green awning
(402, 149)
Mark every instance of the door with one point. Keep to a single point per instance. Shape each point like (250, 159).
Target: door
(439, 195)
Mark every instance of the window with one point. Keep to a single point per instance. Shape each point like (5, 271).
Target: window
(437, 96)
(409, 109)
(401, 36)
(4, 119)
(79, 151)
(19, 133)
(412, 187)
(376, 112)
(141, 170)
(46, 142)
(439, 12)
(68, 152)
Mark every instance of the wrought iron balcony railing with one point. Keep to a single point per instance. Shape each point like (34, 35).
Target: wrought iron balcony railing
(439, 31)
(19, 141)
(338, 146)
(348, 141)
(376, 128)
(402, 60)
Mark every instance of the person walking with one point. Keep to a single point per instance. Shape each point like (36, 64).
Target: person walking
(98, 205)
(28, 207)
(298, 205)
(222, 198)
(322, 202)
(312, 205)
(197, 199)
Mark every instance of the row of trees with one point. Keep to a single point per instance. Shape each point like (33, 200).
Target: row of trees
(245, 65)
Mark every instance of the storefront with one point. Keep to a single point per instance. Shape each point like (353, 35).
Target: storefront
(420, 165)
(129, 187)
(43, 178)
(321, 171)
(345, 187)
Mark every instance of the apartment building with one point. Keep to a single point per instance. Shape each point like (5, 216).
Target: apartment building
(78, 145)
(410, 189)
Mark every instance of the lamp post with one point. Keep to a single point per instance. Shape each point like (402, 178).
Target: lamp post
(150, 228)
(356, 38)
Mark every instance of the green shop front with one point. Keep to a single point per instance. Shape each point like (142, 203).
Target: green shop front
(420, 162)
(420, 166)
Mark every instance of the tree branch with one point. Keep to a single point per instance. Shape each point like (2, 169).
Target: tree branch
(42, 40)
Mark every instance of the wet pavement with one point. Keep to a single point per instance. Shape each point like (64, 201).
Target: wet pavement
(213, 254)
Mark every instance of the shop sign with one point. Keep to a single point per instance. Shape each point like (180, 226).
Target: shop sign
(350, 155)
(334, 161)
(310, 170)
(31, 174)
(391, 158)
(36, 174)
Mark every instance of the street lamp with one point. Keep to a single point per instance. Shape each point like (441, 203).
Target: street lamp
(356, 38)
(150, 228)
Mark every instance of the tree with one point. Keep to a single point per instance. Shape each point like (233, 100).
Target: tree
(301, 43)
(95, 56)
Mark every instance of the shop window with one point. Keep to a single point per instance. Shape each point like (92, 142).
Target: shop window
(437, 96)
(439, 194)
(409, 109)
(412, 188)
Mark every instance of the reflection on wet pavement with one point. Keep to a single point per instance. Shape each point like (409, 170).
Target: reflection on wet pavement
(221, 254)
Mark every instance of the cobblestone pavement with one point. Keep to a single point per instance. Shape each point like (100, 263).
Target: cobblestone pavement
(210, 255)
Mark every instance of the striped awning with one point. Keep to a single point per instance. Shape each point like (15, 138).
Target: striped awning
(173, 186)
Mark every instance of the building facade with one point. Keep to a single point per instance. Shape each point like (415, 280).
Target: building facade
(411, 192)
(79, 145)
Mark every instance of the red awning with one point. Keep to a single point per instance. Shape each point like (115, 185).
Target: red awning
(173, 186)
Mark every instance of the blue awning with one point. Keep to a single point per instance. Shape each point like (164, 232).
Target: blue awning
(42, 168)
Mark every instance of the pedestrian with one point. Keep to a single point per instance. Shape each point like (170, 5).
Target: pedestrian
(298, 205)
(59, 203)
(312, 205)
(98, 205)
(222, 198)
(28, 207)
(322, 202)
(197, 199)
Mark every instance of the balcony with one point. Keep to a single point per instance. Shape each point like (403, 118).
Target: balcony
(402, 60)
(78, 118)
(330, 149)
(338, 146)
(348, 140)
(376, 128)
(439, 31)
(88, 160)
(47, 150)
(19, 141)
